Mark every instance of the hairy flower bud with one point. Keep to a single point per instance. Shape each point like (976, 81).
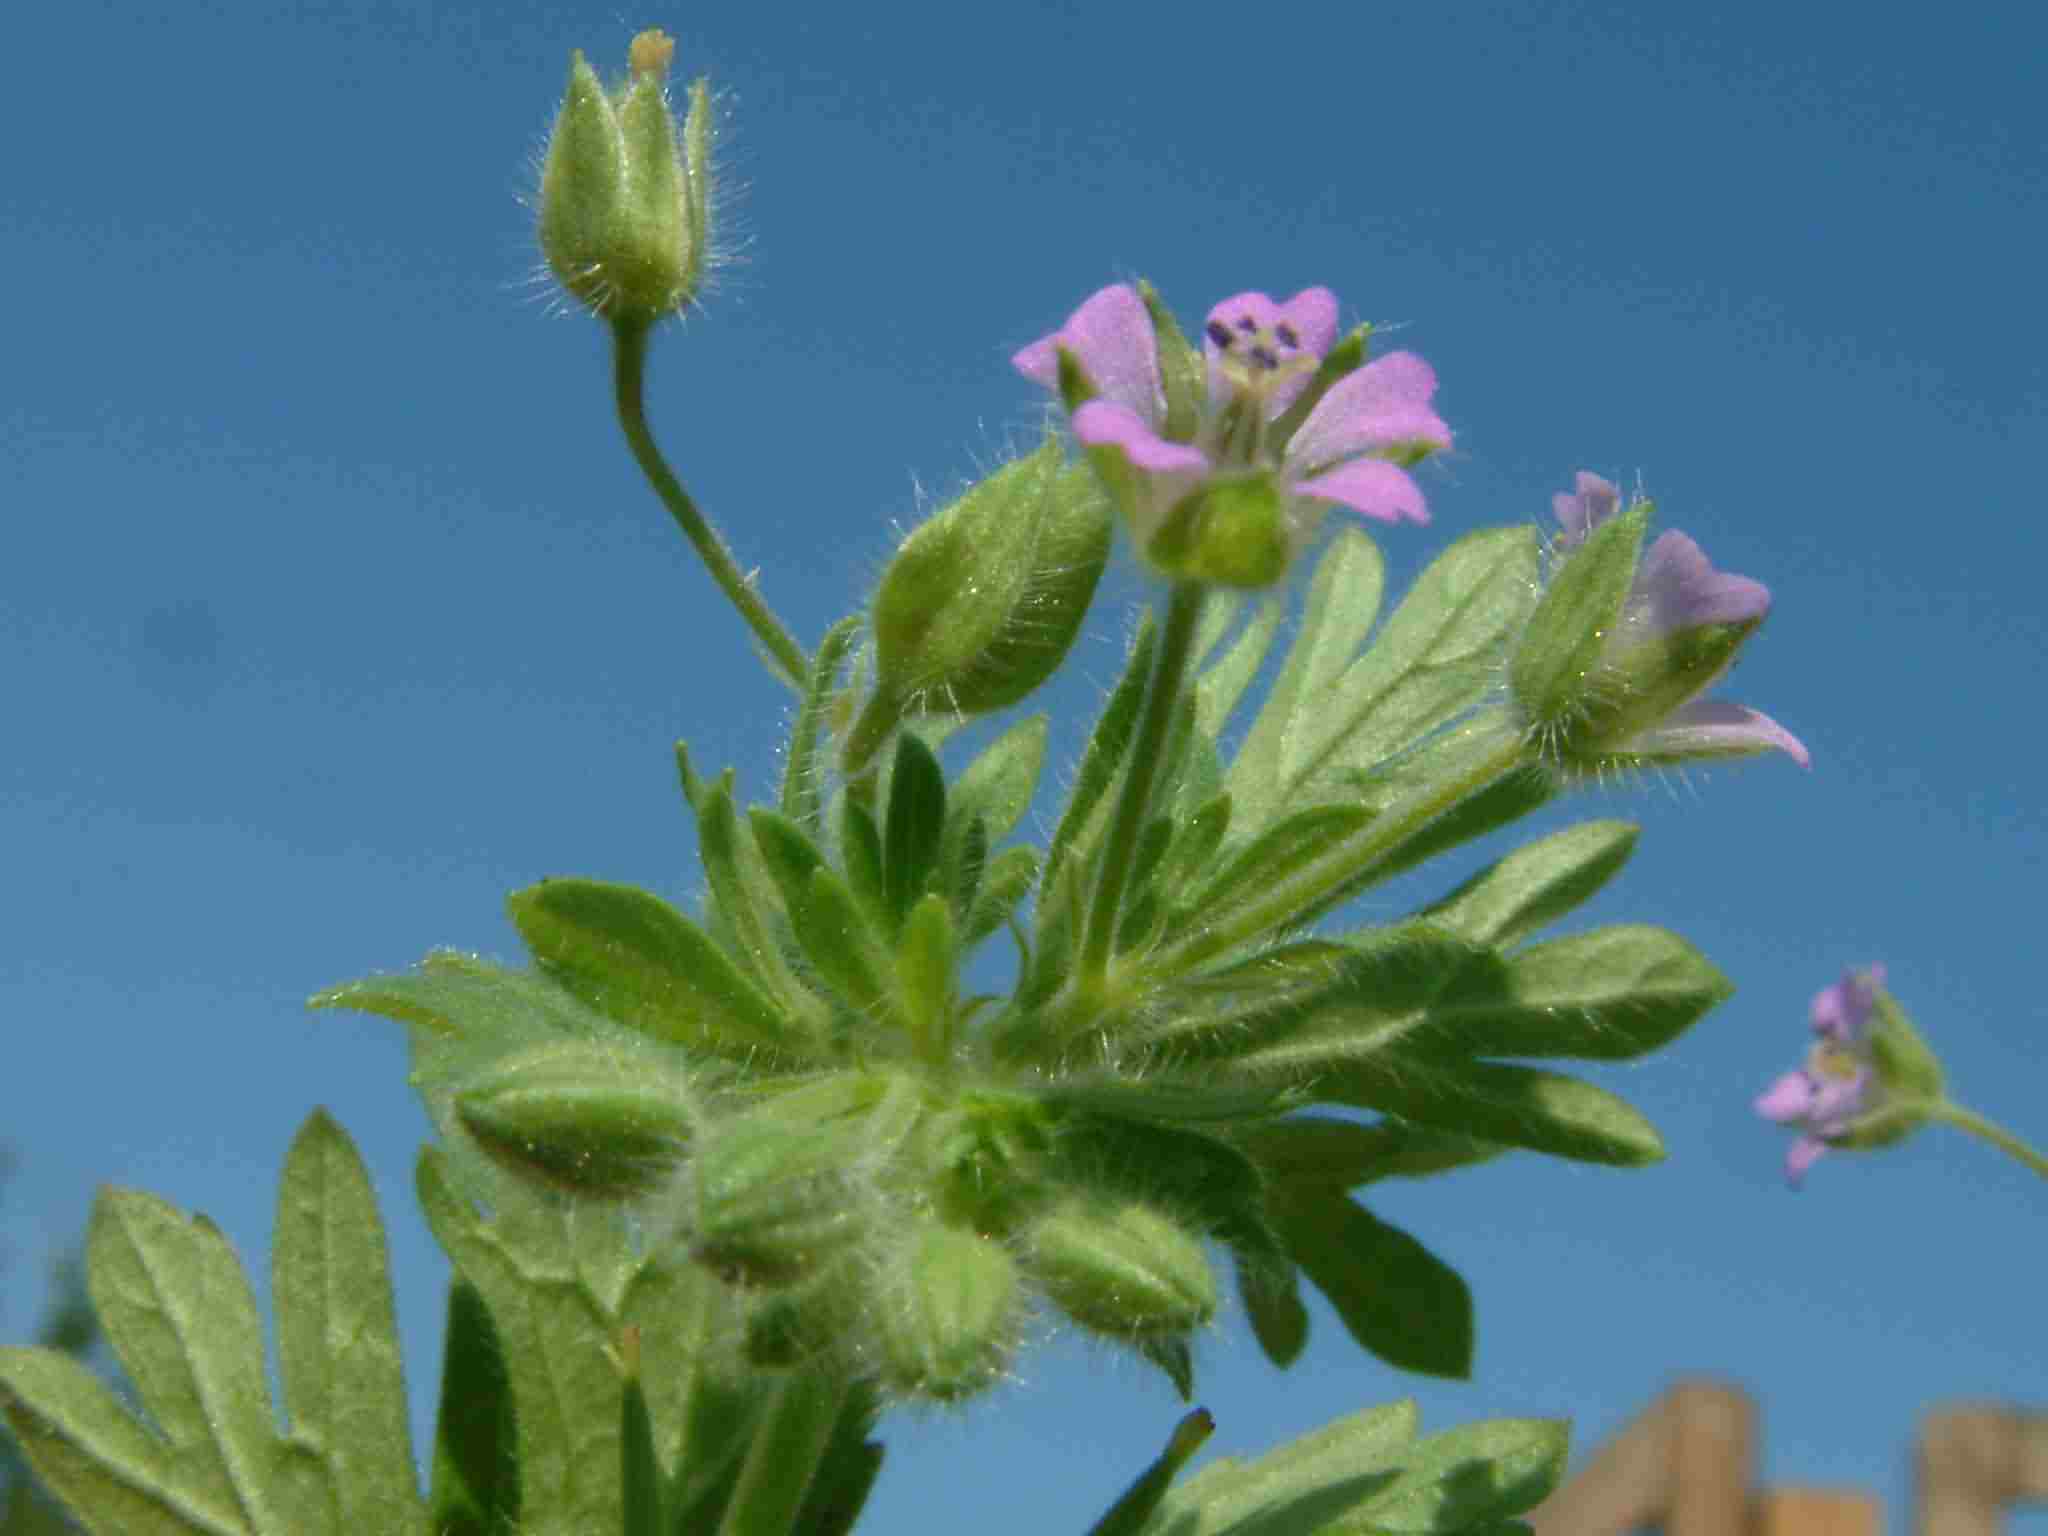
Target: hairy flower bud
(581, 1116)
(625, 194)
(981, 603)
(950, 1324)
(1122, 1267)
(782, 1188)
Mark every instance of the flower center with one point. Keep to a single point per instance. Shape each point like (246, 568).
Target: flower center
(1255, 360)
(1258, 359)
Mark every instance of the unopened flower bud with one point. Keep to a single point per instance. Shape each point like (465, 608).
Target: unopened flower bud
(625, 193)
(980, 604)
(581, 1116)
(788, 1185)
(950, 1325)
(1122, 1267)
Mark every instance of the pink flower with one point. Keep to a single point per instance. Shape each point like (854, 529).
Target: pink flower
(1351, 449)
(1838, 1083)
(1676, 596)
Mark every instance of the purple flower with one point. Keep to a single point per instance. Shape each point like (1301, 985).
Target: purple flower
(1259, 356)
(1676, 597)
(1838, 1083)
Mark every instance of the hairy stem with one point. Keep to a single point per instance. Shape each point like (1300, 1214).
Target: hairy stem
(629, 378)
(1134, 800)
(1985, 1130)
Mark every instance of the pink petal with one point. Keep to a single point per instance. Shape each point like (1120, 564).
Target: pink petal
(1787, 1100)
(1313, 314)
(1801, 1156)
(1840, 1012)
(1680, 589)
(1111, 337)
(1371, 487)
(1167, 472)
(1580, 512)
(1105, 424)
(1381, 407)
(1711, 728)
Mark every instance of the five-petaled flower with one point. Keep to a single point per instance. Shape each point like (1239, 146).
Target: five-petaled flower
(1234, 490)
(1677, 634)
(1838, 1084)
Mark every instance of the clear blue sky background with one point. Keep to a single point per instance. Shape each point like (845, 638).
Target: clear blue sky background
(334, 611)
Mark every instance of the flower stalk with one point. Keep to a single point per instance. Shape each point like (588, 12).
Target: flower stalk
(629, 378)
(1134, 801)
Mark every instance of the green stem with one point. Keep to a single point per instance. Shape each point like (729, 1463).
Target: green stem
(629, 379)
(1134, 800)
(1330, 871)
(790, 1440)
(1969, 1120)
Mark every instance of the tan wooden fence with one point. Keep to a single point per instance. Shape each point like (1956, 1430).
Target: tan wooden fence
(1686, 1466)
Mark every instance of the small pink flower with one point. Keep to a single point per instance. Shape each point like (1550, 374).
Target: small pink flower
(1838, 1082)
(1675, 590)
(1350, 450)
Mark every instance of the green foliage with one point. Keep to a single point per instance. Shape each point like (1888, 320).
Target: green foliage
(1369, 1474)
(180, 1317)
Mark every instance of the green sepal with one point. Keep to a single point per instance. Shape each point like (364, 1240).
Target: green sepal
(1556, 674)
(803, 770)
(1649, 679)
(1183, 373)
(590, 1117)
(1346, 357)
(1233, 530)
(1127, 1516)
(913, 828)
(1906, 1066)
(582, 176)
(1534, 886)
(636, 959)
(1397, 1299)
(475, 1488)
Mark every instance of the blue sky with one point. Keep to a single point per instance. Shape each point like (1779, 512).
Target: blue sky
(334, 610)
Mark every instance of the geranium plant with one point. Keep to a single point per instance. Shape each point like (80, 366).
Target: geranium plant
(720, 1185)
